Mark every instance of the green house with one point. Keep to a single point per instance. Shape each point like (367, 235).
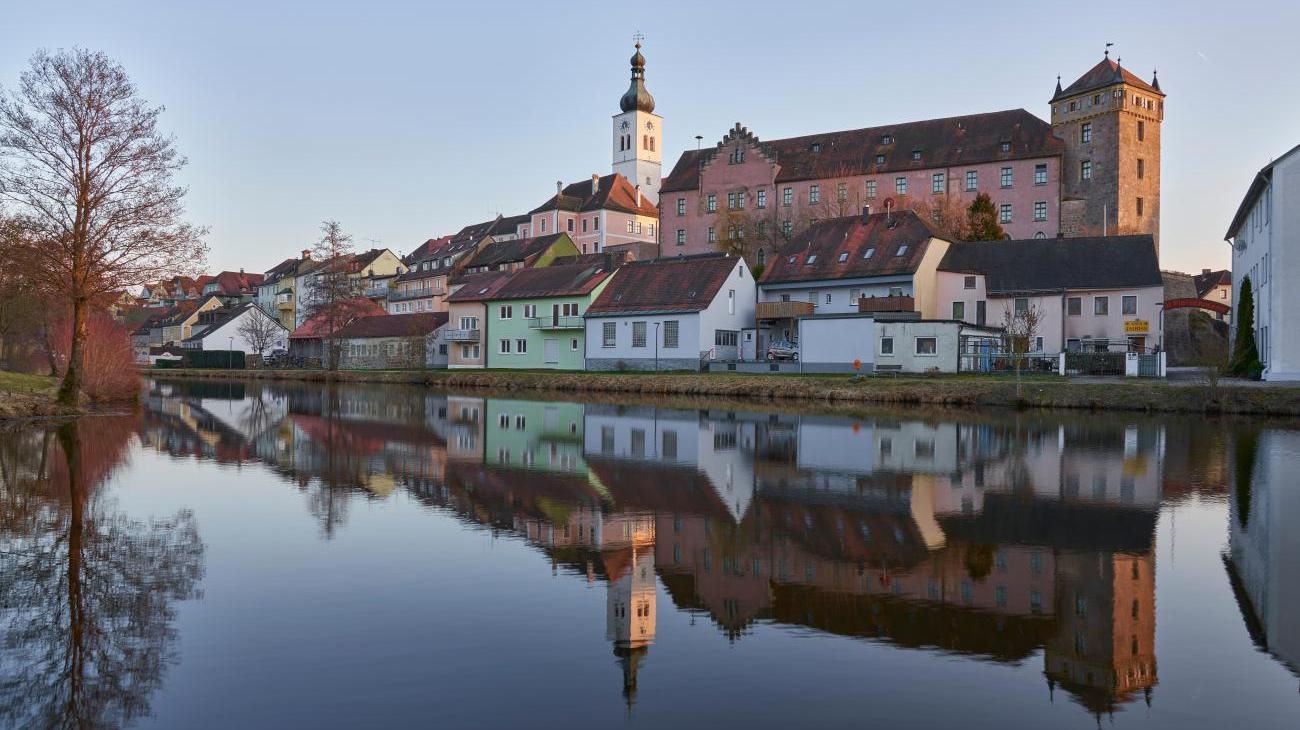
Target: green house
(534, 320)
(534, 435)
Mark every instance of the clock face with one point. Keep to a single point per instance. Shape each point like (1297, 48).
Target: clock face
(623, 125)
(649, 125)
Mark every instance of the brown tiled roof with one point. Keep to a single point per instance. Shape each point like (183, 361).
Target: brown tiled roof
(393, 325)
(553, 281)
(1056, 264)
(838, 248)
(609, 259)
(480, 287)
(285, 268)
(423, 250)
(615, 192)
(515, 250)
(681, 284)
(235, 283)
(1207, 280)
(1106, 73)
(315, 327)
(951, 141)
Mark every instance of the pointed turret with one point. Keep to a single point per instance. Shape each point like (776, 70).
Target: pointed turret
(637, 97)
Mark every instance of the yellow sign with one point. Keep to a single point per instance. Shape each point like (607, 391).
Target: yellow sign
(1136, 326)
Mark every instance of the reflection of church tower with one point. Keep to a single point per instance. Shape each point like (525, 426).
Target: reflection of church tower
(1104, 650)
(630, 610)
(638, 133)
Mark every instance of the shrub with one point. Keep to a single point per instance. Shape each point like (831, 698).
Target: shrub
(109, 373)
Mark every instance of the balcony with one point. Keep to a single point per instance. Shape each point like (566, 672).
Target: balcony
(556, 323)
(782, 310)
(376, 292)
(284, 301)
(461, 336)
(395, 295)
(892, 303)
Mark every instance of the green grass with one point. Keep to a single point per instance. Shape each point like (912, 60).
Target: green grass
(23, 384)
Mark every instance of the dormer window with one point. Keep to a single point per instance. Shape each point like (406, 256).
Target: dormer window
(880, 159)
(902, 250)
(916, 154)
(886, 139)
(844, 257)
(1006, 146)
(815, 147)
(868, 253)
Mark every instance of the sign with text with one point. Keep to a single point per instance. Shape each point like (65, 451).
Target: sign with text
(1136, 326)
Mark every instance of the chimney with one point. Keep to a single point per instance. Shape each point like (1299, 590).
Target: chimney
(306, 254)
(595, 183)
(559, 186)
(241, 271)
(638, 196)
(866, 213)
(1205, 272)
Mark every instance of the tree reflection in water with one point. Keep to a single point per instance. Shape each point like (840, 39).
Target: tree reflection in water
(86, 594)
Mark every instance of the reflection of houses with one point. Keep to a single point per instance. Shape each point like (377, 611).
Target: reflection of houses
(1263, 557)
(533, 435)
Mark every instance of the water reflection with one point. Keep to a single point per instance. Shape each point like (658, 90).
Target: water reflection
(86, 594)
(1007, 539)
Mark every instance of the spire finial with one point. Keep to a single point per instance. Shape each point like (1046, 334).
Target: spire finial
(1108, 45)
(637, 37)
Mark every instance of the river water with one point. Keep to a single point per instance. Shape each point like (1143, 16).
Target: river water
(246, 555)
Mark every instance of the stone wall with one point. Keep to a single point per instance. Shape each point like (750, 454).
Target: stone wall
(665, 364)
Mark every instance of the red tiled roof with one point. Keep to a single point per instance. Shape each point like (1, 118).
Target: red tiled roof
(315, 327)
(681, 284)
(234, 283)
(615, 192)
(1207, 280)
(553, 281)
(964, 140)
(1106, 73)
(480, 287)
(838, 248)
(393, 325)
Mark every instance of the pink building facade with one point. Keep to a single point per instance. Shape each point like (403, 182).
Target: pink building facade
(604, 213)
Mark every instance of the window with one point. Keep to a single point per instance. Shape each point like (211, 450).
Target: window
(787, 196)
(1085, 133)
(1006, 146)
(711, 202)
(530, 311)
(936, 182)
(916, 155)
(1085, 170)
(584, 225)
(1142, 130)
(762, 198)
(1074, 306)
(1142, 168)
(1004, 213)
(959, 310)
(638, 334)
(814, 193)
(886, 139)
(671, 334)
(1129, 305)
(713, 235)
(505, 312)
(740, 200)
(972, 180)
(469, 323)
(1038, 344)
(1021, 305)
(503, 347)
(731, 301)
(681, 206)
(871, 188)
(828, 297)
(900, 185)
(880, 159)
(902, 250)
(1006, 177)
(927, 346)
(609, 334)
(886, 345)
(726, 338)
(731, 201)
(844, 256)
(968, 282)
(1040, 174)
(842, 192)
(737, 156)
(1101, 306)
(681, 236)
(631, 227)
(570, 225)
(1040, 210)
(1139, 206)
(521, 346)
(787, 227)
(868, 253)
(573, 344)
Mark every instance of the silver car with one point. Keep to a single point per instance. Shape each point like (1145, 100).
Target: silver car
(782, 350)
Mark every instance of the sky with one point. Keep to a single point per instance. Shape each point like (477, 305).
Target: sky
(408, 120)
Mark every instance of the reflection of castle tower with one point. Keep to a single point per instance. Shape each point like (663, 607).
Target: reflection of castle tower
(630, 610)
(1104, 649)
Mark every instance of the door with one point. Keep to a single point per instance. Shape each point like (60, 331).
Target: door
(555, 318)
(980, 313)
(551, 351)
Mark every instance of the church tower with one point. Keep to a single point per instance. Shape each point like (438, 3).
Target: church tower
(1110, 122)
(638, 133)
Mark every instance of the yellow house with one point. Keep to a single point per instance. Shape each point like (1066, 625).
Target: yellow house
(180, 325)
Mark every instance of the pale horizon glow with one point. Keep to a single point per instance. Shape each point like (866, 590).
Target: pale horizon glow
(406, 121)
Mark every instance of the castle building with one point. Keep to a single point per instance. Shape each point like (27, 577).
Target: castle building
(1094, 166)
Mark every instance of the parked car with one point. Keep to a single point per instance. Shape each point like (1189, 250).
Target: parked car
(782, 350)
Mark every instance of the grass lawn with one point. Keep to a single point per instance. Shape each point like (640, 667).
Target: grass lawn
(23, 396)
(24, 384)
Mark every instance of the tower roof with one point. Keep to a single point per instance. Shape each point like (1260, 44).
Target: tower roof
(1106, 73)
(637, 97)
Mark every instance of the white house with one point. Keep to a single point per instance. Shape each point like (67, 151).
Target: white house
(223, 329)
(1101, 293)
(1265, 238)
(670, 314)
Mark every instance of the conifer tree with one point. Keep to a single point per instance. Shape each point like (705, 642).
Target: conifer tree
(982, 220)
(1245, 354)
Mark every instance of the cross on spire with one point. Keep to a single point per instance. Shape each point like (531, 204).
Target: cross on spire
(638, 37)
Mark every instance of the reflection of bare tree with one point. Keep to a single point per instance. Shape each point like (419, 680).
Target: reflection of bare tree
(86, 595)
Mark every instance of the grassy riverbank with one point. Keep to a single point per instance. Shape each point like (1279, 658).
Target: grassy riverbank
(962, 391)
(29, 396)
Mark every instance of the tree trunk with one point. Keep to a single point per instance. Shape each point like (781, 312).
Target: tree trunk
(70, 390)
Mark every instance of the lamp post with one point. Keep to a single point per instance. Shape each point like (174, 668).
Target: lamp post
(656, 347)
(230, 355)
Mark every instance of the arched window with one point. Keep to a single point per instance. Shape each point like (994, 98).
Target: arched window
(620, 143)
(652, 144)
(645, 141)
(762, 257)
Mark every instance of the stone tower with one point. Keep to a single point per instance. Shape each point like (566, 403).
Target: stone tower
(638, 133)
(1110, 122)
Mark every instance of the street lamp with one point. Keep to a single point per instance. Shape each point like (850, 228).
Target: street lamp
(656, 347)
(230, 355)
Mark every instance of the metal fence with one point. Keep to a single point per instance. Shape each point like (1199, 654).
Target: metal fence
(1094, 363)
(989, 362)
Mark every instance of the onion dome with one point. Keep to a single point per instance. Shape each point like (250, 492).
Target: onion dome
(636, 96)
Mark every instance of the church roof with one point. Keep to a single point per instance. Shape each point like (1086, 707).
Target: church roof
(637, 97)
(1107, 73)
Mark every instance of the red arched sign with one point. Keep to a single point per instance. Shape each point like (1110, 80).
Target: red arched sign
(1192, 303)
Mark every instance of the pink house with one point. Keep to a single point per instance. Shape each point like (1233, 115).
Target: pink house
(603, 213)
(752, 195)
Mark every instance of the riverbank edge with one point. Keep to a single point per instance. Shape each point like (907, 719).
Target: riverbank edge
(949, 392)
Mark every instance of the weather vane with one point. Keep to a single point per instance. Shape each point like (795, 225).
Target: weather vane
(1108, 45)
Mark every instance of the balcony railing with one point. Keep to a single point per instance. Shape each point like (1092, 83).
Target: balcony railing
(462, 336)
(782, 310)
(376, 292)
(891, 303)
(396, 295)
(556, 323)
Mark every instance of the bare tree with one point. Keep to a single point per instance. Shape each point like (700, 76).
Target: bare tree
(333, 293)
(1020, 327)
(260, 330)
(86, 171)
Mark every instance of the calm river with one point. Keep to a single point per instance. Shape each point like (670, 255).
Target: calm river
(272, 556)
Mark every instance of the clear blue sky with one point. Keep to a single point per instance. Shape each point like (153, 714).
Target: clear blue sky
(407, 120)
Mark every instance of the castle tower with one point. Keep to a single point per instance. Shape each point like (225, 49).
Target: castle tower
(1110, 122)
(638, 133)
